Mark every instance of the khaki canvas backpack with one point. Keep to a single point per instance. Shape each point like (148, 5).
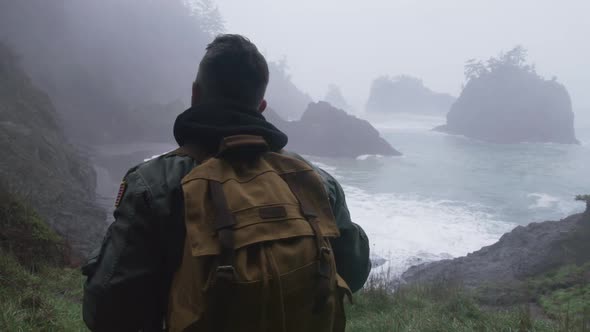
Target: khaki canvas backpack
(257, 255)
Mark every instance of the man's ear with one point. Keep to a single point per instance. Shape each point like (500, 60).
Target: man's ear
(196, 94)
(262, 106)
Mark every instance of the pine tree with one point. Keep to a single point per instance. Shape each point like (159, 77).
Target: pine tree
(208, 14)
(584, 198)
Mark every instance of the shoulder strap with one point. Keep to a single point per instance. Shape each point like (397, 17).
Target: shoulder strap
(324, 266)
(224, 223)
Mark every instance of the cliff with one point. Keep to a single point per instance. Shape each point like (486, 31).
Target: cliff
(330, 132)
(110, 67)
(506, 101)
(502, 271)
(405, 94)
(40, 165)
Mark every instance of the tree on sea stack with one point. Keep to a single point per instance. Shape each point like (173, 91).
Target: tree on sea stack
(585, 198)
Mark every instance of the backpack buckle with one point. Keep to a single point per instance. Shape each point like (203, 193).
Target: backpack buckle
(226, 272)
(324, 267)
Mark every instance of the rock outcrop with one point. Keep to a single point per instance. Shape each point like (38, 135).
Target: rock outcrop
(525, 252)
(330, 132)
(405, 94)
(39, 164)
(506, 101)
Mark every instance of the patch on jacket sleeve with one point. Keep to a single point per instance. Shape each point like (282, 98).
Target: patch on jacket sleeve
(122, 189)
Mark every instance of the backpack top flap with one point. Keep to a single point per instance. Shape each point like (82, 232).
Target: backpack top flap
(262, 203)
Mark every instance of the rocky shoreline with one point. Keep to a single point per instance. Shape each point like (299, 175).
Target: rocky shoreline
(524, 253)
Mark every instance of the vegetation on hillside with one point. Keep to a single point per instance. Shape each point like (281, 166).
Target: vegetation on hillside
(584, 198)
(39, 163)
(558, 301)
(25, 236)
(48, 299)
(37, 291)
(564, 294)
(515, 59)
(103, 78)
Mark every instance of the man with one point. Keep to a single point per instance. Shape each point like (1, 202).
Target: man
(129, 280)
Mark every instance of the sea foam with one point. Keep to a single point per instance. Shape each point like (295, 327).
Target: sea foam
(408, 230)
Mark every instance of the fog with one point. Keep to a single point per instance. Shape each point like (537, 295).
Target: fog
(350, 43)
(455, 133)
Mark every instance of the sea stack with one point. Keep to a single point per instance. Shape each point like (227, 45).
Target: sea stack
(331, 132)
(506, 101)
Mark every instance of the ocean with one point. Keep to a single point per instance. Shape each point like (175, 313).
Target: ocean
(445, 197)
(449, 195)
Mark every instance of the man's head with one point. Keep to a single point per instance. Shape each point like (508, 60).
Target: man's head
(232, 70)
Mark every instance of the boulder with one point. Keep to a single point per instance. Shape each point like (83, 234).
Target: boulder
(406, 94)
(330, 132)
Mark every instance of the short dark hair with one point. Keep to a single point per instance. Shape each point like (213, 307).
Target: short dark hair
(234, 70)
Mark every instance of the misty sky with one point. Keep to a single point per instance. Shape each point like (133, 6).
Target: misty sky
(349, 43)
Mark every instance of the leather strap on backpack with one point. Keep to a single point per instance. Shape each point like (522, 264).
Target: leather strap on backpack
(252, 143)
(224, 223)
(225, 272)
(324, 252)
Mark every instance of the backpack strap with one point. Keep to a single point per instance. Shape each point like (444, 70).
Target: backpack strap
(237, 142)
(323, 251)
(224, 223)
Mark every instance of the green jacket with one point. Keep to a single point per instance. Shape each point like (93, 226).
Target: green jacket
(129, 277)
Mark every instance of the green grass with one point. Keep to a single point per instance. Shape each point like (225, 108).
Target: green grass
(25, 235)
(48, 299)
(433, 308)
(37, 293)
(564, 294)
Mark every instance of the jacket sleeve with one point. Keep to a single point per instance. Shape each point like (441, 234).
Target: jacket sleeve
(120, 290)
(351, 249)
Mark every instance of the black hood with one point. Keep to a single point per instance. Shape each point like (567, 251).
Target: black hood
(206, 125)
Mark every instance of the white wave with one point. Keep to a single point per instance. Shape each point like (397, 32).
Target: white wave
(543, 201)
(328, 168)
(410, 230)
(369, 156)
(407, 122)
